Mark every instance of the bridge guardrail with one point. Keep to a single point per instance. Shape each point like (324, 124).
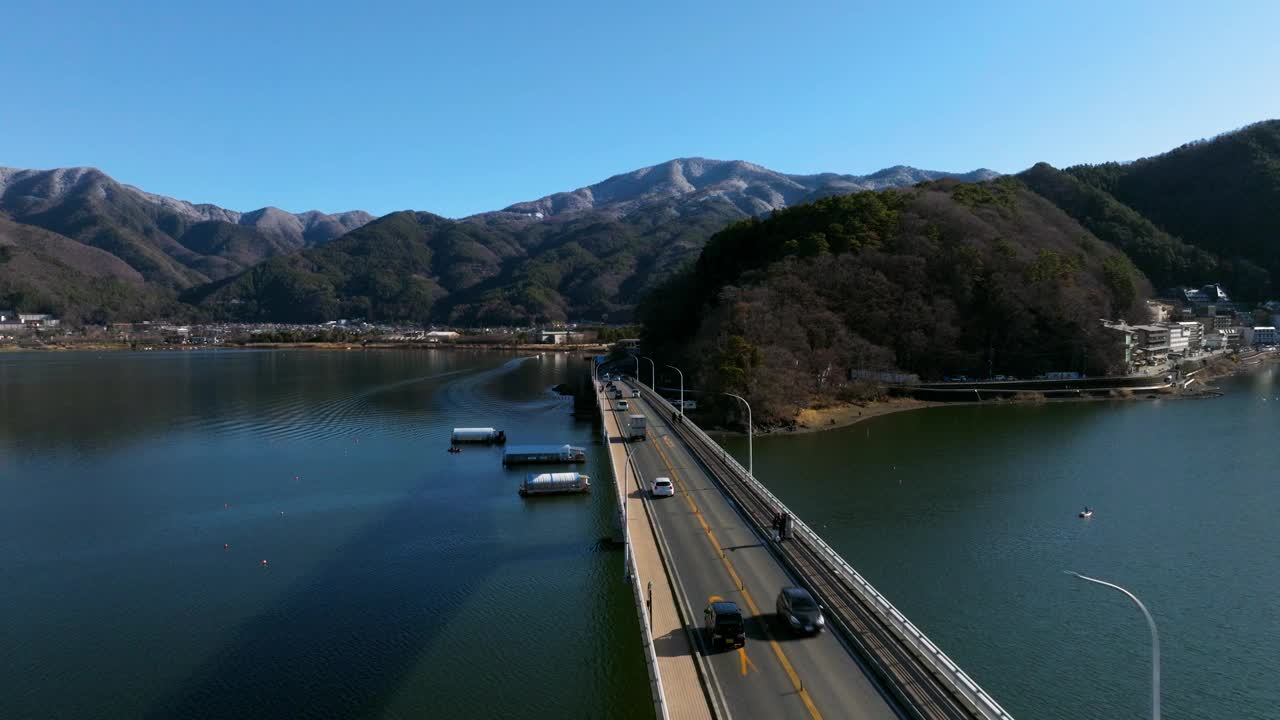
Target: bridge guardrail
(650, 652)
(943, 667)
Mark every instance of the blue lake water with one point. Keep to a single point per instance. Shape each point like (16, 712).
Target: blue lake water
(141, 493)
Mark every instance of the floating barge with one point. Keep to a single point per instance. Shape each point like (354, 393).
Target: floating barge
(487, 436)
(554, 483)
(550, 454)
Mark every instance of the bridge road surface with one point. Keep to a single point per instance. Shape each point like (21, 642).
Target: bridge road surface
(778, 674)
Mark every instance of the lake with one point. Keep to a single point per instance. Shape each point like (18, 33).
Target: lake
(143, 491)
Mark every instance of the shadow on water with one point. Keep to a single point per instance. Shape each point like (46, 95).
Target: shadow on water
(608, 544)
(345, 640)
(321, 650)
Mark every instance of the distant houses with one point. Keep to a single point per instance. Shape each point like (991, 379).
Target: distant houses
(12, 321)
(560, 337)
(1258, 335)
(1190, 321)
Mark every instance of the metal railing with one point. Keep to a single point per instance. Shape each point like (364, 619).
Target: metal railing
(646, 635)
(975, 699)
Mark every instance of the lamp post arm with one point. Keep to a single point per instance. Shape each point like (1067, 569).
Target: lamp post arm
(751, 463)
(1155, 639)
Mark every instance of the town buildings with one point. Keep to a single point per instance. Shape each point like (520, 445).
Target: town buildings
(1258, 336)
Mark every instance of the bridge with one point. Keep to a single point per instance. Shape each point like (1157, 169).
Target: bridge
(713, 540)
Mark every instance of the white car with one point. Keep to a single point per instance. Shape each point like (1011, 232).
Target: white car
(662, 487)
(624, 405)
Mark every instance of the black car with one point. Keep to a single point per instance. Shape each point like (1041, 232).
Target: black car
(798, 608)
(724, 625)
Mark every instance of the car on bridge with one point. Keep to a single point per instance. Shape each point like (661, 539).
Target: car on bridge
(623, 405)
(662, 487)
(798, 608)
(724, 626)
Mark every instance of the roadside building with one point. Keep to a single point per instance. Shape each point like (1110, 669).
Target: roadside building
(37, 320)
(1194, 333)
(1128, 341)
(1179, 339)
(559, 337)
(1258, 335)
(1223, 320)
(9, 321)
(1233, 337)
(1152, 344)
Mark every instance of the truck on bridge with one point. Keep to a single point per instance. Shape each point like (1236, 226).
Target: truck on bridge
(636, 429)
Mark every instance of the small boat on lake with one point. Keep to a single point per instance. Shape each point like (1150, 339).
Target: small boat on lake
(1087, 512)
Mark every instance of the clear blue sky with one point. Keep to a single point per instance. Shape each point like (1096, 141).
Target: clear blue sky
(462, 107)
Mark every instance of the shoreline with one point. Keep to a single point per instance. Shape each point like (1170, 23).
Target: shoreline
(835, 417)
(142, 347)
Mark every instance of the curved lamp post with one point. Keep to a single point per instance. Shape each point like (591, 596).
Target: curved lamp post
(750, 433)
(653, 373)
(673, 367)
(1155, 639)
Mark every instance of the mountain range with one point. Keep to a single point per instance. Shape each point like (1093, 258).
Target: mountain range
(170, 243)
(78, 243)
(586, 253)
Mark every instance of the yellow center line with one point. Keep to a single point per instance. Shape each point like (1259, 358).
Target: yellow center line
(747, 665)
(751, 603)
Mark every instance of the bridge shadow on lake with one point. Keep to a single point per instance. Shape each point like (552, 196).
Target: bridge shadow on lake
(344, 640)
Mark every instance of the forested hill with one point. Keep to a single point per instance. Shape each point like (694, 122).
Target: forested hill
(589, 254)
(945, 277)
(1220, 195)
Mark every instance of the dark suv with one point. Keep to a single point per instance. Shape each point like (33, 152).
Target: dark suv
(724, 625)
(798, 608)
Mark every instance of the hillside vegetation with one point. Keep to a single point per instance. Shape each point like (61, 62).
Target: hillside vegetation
(1220, 195)
(41, 271)
(942, 278)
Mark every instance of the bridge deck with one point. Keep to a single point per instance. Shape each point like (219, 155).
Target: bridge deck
(717, 552)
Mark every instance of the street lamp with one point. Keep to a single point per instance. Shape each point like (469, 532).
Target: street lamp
(653, 372)
(673, 367)
(1155, 640)
(750, 432)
